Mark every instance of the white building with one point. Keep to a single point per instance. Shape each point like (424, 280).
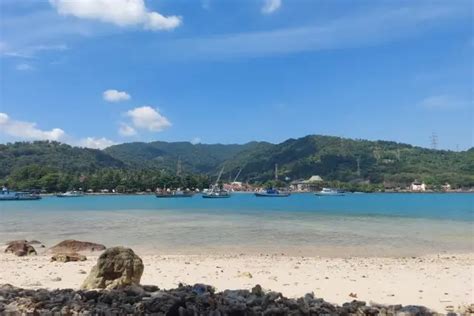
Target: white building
(311, 184)
(418, 186)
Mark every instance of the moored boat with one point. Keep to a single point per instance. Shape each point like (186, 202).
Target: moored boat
(272, 193)
(216, 194)
(329, 192)
(174, 194)
(73, 193)
(7, 195)
(216, 191)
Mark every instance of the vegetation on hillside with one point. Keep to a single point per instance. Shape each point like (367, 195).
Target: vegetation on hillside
(348, 163)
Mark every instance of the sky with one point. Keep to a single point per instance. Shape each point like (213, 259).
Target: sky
(94, 73)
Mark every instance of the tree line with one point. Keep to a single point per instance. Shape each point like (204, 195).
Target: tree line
(46, 179)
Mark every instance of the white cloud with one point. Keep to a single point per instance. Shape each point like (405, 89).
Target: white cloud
(119, 12)
(443, 102)
(196, 140)
(24, 67)
(270, 6)
(28, 130)
(156, 21)
(30, 51)
(95, 143)
(127, 130)
(113, 95)
(354, 30)
(146, 117)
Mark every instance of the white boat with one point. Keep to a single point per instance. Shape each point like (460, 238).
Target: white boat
(329, 192)
(215, 191)
(73, 193)
(216, 194)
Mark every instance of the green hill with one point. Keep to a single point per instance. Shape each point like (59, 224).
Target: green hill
(53, 155)
(346, 160)
(198, 158)
(148, 165)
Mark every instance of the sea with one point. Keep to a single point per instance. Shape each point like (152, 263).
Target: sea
(375, 224)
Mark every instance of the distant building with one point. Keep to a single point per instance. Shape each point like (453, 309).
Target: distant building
(418, 186)
(237, 186)
(311, 184)
(446, 187)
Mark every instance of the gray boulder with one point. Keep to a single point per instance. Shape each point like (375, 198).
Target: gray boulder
(116, 268)
(20, 248)
(73, 246)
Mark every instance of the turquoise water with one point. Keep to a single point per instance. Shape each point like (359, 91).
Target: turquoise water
(366, 224)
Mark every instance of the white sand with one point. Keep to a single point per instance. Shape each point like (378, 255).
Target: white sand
(441, 282)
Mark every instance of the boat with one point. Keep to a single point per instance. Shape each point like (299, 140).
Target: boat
(216, 194)
(330, 192)
(73, 193)
(7, 195)
(272, 193)
(216, 191)
(174, 194)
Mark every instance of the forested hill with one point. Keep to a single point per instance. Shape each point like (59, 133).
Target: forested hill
(197, 158)
(54, 155)
(332, 158)
(348, 160)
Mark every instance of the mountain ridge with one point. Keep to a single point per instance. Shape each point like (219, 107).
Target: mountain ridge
(333, 158)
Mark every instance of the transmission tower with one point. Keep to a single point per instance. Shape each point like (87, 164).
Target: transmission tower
(434, 141)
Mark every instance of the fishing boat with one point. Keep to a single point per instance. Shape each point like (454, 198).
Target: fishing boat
(329, 192)
(7, 195)
(215, 191)
(69, 194)
(174, 194)
(272, 193)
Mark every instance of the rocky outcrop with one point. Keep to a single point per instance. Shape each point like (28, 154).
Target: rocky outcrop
(20, 248)
(68, 257)
(199, 299)
(116, 267)
(23, 241)
(74, 246)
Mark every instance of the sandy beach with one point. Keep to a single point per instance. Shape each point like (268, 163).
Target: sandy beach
(441, 282)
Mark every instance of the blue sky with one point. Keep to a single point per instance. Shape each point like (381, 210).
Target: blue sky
(94, 73)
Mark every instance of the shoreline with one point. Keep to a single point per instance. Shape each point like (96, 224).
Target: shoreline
(252, 192)
(442, 282)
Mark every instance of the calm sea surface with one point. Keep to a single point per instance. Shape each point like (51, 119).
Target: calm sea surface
(355, 224)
